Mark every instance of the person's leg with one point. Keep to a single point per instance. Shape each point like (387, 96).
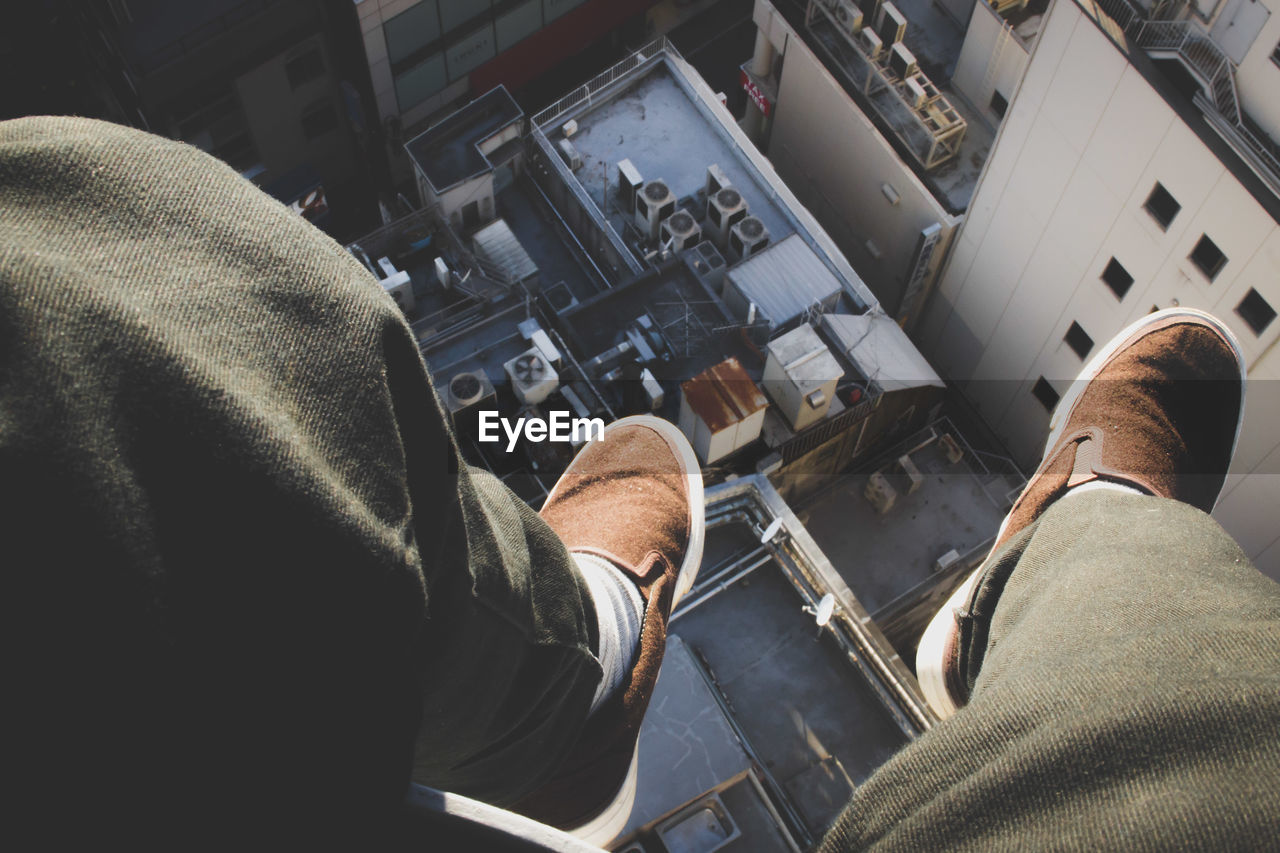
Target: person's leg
(1129, 699)
(244, 561)
(1116, 661)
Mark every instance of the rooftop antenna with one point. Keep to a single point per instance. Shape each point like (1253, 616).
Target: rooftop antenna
(823, 612)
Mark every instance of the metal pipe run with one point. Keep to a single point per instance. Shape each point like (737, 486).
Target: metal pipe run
(721, 587)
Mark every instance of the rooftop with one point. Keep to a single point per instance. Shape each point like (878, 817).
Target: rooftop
(449, 152)
(935, 40)
(655, 111)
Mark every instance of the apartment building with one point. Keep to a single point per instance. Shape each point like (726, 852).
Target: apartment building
(880, 114)
(1135, 169)
(425, 55)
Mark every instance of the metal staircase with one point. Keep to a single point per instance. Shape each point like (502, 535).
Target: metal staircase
(1220, 102)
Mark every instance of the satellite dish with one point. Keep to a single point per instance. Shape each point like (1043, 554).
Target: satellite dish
(771, 531)
(826, 607)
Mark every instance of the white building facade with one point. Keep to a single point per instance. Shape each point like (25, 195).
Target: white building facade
(1107, 195)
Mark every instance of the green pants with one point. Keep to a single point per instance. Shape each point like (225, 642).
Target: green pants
(247, 580)
(1128, 698)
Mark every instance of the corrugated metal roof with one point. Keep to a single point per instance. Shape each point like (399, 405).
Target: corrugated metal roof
(881, 350)
(499, 246)
(723, 394)
(785, 279)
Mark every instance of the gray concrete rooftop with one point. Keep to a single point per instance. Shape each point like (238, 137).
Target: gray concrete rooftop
(812, 719)
(884, 556)
(655, 125)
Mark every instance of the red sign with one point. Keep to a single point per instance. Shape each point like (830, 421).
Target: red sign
(754, 91)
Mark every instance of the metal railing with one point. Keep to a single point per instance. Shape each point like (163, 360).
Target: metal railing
(932, 131)
(584, 93)
(1206, 60)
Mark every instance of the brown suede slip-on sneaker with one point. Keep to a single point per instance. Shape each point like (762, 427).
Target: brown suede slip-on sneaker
(1158, 409)
(635, 499)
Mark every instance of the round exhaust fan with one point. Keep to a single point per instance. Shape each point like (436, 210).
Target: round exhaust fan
(529, 368)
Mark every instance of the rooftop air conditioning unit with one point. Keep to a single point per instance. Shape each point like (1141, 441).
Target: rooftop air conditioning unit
(629, 183)
(654, 203)
(716, 180)
(916, 93)
(532, 378)
(902, 61)
(466, 395)
(871, 44)
(570, 155)
(891, 25)
(468, 389)
(849, 17)
(746, 238)
(681, 230)
(724, 209)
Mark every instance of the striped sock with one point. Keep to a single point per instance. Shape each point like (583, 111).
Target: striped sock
(620, 612)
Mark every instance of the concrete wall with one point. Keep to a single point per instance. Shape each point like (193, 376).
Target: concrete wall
(274, 110)
(986, 64)
(1084, 142)
(451, 202)
(836, 162)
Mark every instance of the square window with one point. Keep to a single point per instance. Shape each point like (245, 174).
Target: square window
(1044, 392)
(1208, 258)
(1256, 311)
(1117, 278)
(999, 103)
(305, 68)
(1078, 339)
(318, 120)
(1162, 206)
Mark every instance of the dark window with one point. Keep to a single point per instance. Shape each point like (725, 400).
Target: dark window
(319, 120)
(999, 103)
(1117, 278)
(1044, 392)
(1078, 339)
(305, 68)
(1256, 311)
(1162, 206)
(1208, 258)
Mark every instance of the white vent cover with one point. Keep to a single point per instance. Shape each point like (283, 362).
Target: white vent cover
(724, 209)
(747, 237)
(532, 377)
(681, 230)
(849, 17)
(654, 203)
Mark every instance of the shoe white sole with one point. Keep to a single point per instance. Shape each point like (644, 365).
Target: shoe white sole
(607, 825)
(931, 652)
